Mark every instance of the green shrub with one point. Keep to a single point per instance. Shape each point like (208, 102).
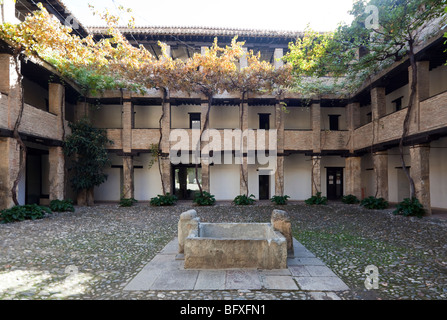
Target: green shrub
(204, 199)
(317, 199)
(374, 203)
(127, 202)
(350, 199)
(243, 200)
(410, 207)
(62, 206)
(279, 200)
(164, 200)
(21, 213)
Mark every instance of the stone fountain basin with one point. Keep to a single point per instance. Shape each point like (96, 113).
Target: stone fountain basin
(235, 245)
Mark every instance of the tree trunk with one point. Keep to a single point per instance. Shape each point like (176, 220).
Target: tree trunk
(244, 177)
(205, 126)
(90, 197)
(160, 151)
(16, 134)
(406, 124)
(82, 198)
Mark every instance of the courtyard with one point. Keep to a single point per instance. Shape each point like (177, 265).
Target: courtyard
(95, 252)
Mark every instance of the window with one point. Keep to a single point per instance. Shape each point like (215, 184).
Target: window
(397, 104)
(194, 121)
(334, 122)
(264, 121)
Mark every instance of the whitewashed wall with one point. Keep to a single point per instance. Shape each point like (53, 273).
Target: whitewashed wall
(401, 92)
(297, 118)
(438, 80)
(224, 117)
(111, 189)
(398, 185)
(225, 181)
(325, 112)
(147, 117)
(107, 116)
(364, 110)
(438, 173)
(35, 95)
(297, 177)
(253, 116)
(146, 180)
(180, 115)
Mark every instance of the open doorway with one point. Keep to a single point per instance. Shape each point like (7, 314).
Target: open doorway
(264, 187)
(185, 183)
(36, 176)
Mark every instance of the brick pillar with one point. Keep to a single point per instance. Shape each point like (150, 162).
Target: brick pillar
(420, 172)
(166, 126)
(205, 164)
(279, 176)
(127, 121)
(315, 111)
(422, 91)
(8, 76)
(165, 163)
(380, 161)
(56, 105)
(353, 122)
(56, 102)
(9, 85)
(378, 109)
(9, 168)
(244, 166)
(82, 110)
(316, 175)
(57, 173)
(353, 176)
(279, 173)
(128, 178)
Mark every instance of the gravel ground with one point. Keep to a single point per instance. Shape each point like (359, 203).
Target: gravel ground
(94, 252)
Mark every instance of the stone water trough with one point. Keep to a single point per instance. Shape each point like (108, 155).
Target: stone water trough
(235, 245)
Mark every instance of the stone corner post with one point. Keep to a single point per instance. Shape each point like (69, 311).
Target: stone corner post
(281, 222)
(188, 222)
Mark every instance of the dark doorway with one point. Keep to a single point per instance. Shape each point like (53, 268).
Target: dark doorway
(194, 121)
(264, 121)
(185, 183)
(334, 122)
(334, 183)
(264, 187)
(34, 179)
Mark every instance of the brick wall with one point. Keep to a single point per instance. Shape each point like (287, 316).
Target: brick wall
(143, 138)
(434, 112)
(40, 123)
(297, 140)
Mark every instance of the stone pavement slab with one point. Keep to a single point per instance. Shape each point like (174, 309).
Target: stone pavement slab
(243, 279)
(321, 284)
(305, 272)
(211, 280)
(280, 283)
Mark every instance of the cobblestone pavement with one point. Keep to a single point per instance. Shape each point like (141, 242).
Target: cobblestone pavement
(93, 253)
